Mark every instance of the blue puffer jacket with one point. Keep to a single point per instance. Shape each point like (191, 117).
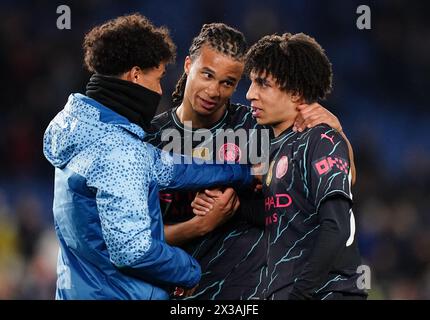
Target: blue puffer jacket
(106, 207)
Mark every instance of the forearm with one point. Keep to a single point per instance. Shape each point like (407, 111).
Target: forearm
(198, 226)
(181, 233)
(133, 249)
(331, 240)
(164, 265)
(351, 157)
(195, 176)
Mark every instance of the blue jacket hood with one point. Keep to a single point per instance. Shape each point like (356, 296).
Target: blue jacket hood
(82, 122)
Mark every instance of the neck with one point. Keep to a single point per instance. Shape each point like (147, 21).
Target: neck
(134, 102)
(282, 126)
(187, 113)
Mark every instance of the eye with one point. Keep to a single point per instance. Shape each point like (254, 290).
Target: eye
(229, 84)
(262, 83)
(207, 75)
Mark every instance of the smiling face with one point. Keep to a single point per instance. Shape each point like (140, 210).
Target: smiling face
(211, 80)
(271, 105)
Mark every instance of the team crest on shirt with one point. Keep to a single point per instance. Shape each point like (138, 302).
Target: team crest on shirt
(269, 173)
(229, 152)
(282, 167)
(201, 153)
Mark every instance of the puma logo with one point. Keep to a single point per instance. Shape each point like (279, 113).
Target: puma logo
(323, 135)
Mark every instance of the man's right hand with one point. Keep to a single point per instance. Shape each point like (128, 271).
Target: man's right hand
(214, 207)
(221, 206)
(203, 203)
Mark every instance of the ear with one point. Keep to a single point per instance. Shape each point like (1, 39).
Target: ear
(135, 74)
(296, 98)
(187, 65)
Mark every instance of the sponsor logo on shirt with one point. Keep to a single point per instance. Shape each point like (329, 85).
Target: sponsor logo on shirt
(281, 200)
(273, 218)
(327, 164)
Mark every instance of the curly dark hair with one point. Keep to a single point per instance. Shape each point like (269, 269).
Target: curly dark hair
(297, 62)
(220, 37)
(120, 44)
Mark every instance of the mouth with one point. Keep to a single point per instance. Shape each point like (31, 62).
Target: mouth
(256, 112)
(207, 104)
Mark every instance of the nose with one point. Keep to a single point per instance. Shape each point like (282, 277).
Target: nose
(251, 94)
(213, 90)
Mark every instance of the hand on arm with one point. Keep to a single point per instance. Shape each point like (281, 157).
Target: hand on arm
(203, 203)
(252, 209)
(224, 204)
(311, 115)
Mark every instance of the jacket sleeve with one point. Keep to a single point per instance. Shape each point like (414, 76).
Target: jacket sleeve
(186, 173)
(122, 177)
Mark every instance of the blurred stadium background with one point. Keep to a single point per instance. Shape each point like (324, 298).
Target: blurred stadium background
(380, 95)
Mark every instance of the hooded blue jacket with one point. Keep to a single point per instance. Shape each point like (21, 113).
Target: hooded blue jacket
(106, 207)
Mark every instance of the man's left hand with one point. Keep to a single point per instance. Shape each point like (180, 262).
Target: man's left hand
(314, 114)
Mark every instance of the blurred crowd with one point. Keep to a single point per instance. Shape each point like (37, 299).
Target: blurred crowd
(381, 77)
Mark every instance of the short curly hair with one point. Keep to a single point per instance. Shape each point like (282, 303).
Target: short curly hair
(297, 62)
(120, 44)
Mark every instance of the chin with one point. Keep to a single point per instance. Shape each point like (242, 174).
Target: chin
(205, 112)
(261, 121)
(202, 111)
